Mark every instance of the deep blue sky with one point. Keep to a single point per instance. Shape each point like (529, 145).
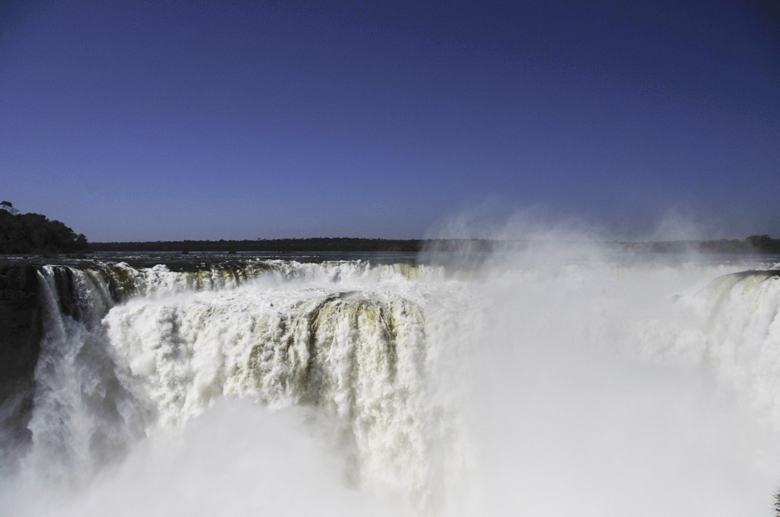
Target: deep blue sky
(169, 120)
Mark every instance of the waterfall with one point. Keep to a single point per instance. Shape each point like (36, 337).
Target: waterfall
(82, 415)
(127, 351)
(737, 336)
(359, 356)
(453, 392)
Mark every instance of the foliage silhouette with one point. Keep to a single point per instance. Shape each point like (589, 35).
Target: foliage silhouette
(35, 233)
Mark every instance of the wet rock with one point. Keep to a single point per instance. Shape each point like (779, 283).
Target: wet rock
(20, 336)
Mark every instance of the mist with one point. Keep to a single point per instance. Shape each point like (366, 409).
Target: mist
(599, 390)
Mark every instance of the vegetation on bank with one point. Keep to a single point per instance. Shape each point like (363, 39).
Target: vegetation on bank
(36, 234)
(752, 244)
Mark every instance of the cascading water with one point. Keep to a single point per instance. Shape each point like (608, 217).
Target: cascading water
(522, 387)
(357, 354)
(81, 412)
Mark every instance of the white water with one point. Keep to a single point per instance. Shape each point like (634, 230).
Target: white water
(541, 386)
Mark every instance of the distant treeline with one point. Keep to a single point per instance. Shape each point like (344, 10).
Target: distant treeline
(36, 234)
(336, 244)
(753, 244)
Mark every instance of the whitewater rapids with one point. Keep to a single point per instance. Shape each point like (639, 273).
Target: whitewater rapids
(536, 385)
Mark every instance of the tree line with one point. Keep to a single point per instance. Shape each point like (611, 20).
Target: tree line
(752, 244)
(321, 244)
(37, 234)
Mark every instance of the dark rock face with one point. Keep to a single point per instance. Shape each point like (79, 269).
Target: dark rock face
(20, 336)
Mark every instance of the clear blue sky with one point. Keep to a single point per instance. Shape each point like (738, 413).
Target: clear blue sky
(169, 120)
